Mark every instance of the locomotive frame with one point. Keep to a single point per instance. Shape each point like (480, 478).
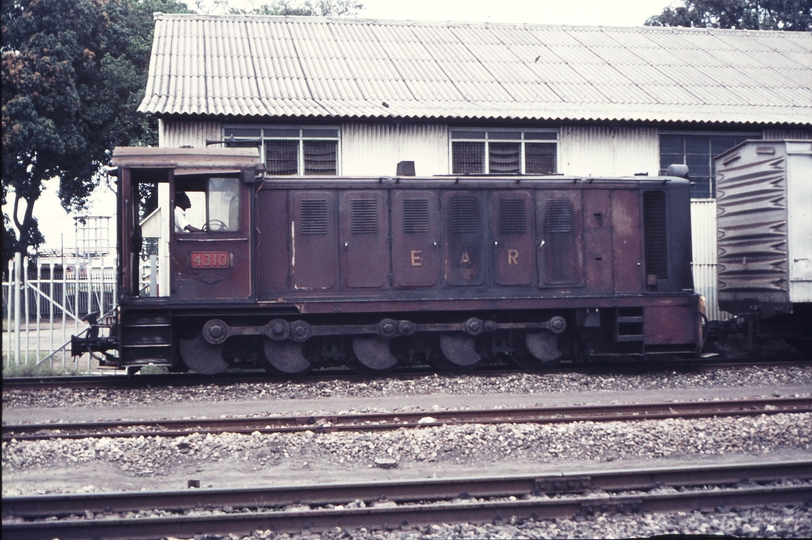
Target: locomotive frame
(297, 272)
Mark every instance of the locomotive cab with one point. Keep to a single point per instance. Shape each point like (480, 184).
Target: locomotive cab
(212, 259)
(193, 249)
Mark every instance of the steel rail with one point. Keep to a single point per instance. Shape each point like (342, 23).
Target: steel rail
(331, 374)
(567, 494)
(393, 421)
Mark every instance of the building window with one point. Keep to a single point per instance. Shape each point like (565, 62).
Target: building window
(503, 152)
(291, 151)
(697, 150)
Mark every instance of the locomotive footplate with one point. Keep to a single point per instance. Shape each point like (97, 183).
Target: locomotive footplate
(216, 331)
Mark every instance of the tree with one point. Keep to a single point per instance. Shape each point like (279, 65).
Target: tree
(73, 75)
(791, 15)
(317, 8)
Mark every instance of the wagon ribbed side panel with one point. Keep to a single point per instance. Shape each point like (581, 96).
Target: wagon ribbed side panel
(752, 228)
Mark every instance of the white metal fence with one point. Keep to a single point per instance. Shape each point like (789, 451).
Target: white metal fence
(703, 236)
(44, 302)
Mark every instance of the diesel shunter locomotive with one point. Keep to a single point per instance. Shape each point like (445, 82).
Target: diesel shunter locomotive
(291, 273)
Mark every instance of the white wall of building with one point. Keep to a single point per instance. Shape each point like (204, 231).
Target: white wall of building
(175, 134)
(608, 150)
(374, 149)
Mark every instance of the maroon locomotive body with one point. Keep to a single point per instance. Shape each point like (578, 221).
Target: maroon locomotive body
(292, 273)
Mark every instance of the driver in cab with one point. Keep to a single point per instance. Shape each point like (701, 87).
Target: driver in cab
(182, 203)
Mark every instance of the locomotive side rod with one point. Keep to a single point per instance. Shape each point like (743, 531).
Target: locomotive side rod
(216, 331)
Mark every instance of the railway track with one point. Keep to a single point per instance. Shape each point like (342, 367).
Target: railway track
(392, 421)
(121, 380)
(404, 504)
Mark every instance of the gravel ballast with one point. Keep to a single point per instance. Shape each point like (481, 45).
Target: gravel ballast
(772, 522)
(230, 460)
(471, 445)
(512, 384)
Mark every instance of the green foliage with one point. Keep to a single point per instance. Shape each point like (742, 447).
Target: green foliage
(790, 15)
(317, 8)
(154, 370)
(9, 245)
(73, 75)
(29, 368)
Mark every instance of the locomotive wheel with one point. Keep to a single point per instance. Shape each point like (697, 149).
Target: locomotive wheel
(284, 357)
(201, 356)
(371, 355)
(459, 352)
(543, 346)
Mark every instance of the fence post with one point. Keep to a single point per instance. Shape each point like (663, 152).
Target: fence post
(10, 308)
(52, 294)
(65, 308)
(76, 297)
(38, 304)
(27, 299)
(18, 262)
(89, 276)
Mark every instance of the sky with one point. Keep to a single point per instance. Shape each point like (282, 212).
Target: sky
(571, 12)
(58, 226)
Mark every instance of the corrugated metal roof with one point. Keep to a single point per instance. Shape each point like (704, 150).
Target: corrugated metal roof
(186, 158)
(317, 67)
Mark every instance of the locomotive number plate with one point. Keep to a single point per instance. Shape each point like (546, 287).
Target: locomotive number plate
(210, 259)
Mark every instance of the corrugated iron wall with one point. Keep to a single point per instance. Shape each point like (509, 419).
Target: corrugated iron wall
(175, 134)
(776, 134)
(366, 149)
(376, 149)
(608, 150)
(703, 238)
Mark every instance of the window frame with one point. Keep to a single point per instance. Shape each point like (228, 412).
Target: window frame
(198, 188)
(743, 135)
(492, 135)
(267, 133)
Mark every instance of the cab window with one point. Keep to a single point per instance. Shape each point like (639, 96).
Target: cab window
(224, 204)
(214, 203)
